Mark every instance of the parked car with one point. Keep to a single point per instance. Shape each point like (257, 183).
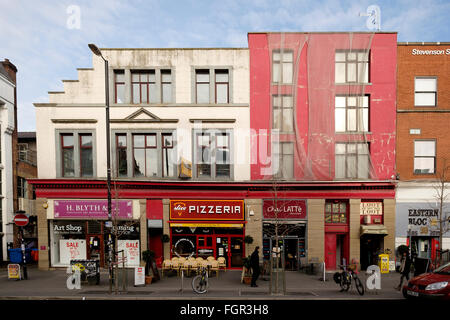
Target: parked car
(434, 284)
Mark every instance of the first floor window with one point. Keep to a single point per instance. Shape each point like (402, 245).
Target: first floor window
(76, 158)
(212, 152)
(119, 86)
(68, 150)
(352, 160)
(86, 161)
(425, 91)
(424, 156)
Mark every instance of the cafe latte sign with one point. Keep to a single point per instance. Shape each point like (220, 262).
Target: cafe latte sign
(284, 209)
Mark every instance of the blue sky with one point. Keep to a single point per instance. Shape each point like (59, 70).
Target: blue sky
(47, 45)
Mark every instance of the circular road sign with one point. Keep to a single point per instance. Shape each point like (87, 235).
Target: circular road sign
(21, 220)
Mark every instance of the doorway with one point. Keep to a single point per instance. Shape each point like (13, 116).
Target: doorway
(336, 250)
(371, 247)
(231, 248)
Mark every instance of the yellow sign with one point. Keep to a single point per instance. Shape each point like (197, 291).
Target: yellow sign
(14, 271)
(384, 263)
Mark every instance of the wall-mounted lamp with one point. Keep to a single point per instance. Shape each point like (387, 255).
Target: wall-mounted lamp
(45, 205)
(251, 213)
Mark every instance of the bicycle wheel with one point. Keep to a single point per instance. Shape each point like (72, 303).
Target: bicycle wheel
(345, 283)
(199, 284)
(359, 286)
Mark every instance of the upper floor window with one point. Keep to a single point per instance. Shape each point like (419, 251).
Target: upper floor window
(352, 66)
(425, 91)
(202, 86)
(143, 86)
(282, 66)
(424, 156)
(352, 113)
(119, 86)
(21, 187)
(150, 154)
(336, 212)
(212, 154)
(283, 153)
(212, 86)
(222, 86)
(166, 86)
(283, 118)
(76, 154)
(352, 160)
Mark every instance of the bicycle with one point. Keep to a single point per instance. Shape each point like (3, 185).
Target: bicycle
(200, 282)
(344, 279)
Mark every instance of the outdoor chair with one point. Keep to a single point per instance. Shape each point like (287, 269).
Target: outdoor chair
(210, 258)
(215, 267)
(166, 266)
(222, 263)
(182, 259)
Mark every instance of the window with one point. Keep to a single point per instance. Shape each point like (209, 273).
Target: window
(212, 154)
(336, 212)
(283, 118)
(284, 153)
(143, 86)
(222, 86)
(282, 66)
(352, 113)
(86, 163)
(352, 161)
(76, 155)
(150, 154)
(425, 91)
(424, 156)
(166, 86)
(202, 86)
(352, 66)
(21, 187)
(119, 86)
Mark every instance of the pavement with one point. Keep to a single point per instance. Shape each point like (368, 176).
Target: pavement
(51, 285)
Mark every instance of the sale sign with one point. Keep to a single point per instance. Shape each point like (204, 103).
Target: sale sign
(207, 209)
(72, 250)
(131, 252)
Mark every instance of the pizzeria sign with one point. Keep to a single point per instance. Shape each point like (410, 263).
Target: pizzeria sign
(206, 209)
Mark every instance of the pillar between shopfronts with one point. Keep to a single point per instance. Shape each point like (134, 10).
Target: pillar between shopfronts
(41, 211)
(166, 227)
(355, 232)
(316, 230)
(143, 227)
(253, 227)
(389, 222)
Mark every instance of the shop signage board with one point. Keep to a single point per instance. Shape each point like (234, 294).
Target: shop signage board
(423, 222)
(131, 252)
(14, 271)
(69, 227)
(284, 209)
(92, 209)
(207, 210)
(139, 276)
(72, 249)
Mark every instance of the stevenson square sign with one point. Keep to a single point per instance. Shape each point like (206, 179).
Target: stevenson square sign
(207, 210)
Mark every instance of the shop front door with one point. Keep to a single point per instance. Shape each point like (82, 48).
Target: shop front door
(95, 247)
(205, 246)
(330, 251)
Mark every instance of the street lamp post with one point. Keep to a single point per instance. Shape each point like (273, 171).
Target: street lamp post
(97, 52)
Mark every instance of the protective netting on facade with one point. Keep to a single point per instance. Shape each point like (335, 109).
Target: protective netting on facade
(320, 106)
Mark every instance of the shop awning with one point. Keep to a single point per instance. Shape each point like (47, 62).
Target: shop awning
(374, 229)
(208, 225)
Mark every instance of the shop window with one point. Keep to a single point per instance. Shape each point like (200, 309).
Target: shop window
(424, 156)
(352, 113)
(425, 91)
(212, 154)
(282, 66)
(352, 161)
(352, 66)
(336, 212)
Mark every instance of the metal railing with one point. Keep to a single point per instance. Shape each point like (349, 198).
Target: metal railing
(28, 156)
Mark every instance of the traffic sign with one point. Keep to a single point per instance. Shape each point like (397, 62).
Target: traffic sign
(21, 220)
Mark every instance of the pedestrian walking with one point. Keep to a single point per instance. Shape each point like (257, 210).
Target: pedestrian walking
(254, 263)
(405, 269)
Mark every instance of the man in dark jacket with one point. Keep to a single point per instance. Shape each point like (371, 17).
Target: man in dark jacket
(405, 269)
(254, 263)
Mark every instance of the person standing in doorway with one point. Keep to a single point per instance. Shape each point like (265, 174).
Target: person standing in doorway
(254, 262)
(405, 269)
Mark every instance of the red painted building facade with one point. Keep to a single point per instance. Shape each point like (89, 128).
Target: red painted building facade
(322, 109)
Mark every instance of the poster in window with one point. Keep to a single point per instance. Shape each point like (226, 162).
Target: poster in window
(72, 249)
(131, 252)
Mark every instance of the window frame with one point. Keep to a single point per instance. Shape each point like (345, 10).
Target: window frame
(59, 133)
(359, 110)
(348, 61)
(212, 84)
(116, 83)
(281, 156)
(166, 71)
(357, 156)
(434, 157)
(282, 107)
(281, 63)
(221, 71)
(419, 92)
(159, 133)
(213, 153)
(339, 212)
